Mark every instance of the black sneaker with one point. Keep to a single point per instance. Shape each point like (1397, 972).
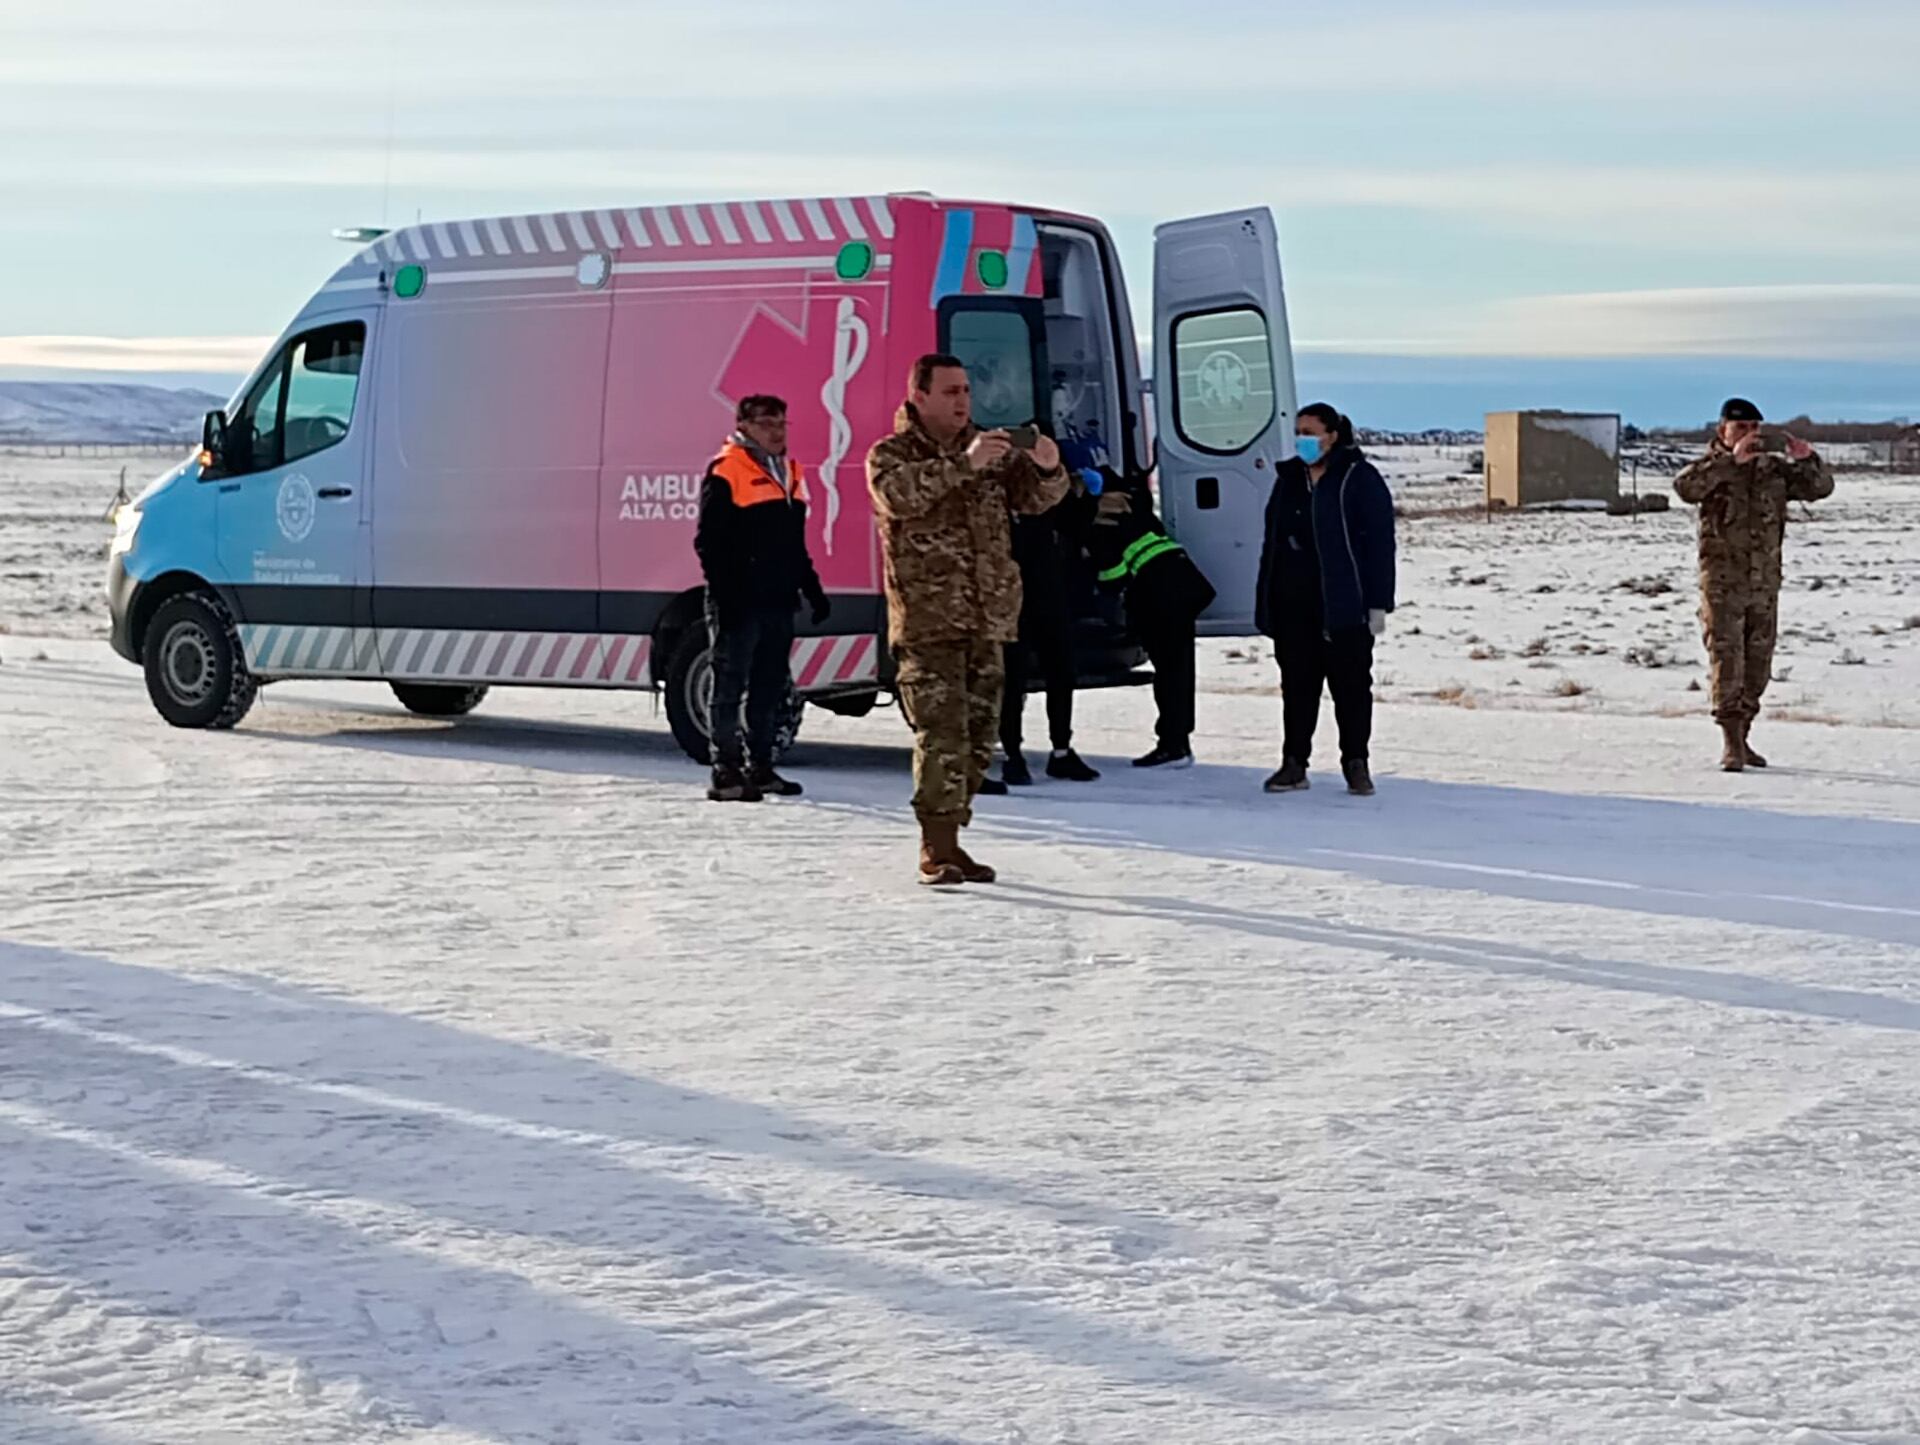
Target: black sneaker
(1015, 772)
(1067, 765)
(731, 786)
(1359, 780)
(766, 781)
(1166, 755)
(993, 788)
(1292, 777)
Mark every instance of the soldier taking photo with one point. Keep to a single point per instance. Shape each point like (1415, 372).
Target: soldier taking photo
(1742, 487)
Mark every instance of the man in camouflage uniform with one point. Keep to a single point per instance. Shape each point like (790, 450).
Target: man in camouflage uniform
(942, 491)
(1742, 487)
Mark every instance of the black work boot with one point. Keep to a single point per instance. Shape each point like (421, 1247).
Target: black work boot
(1292, 777)
(730, 785)
(1166, 755)
(765, 780)
(1068, 766)
(1359, 780)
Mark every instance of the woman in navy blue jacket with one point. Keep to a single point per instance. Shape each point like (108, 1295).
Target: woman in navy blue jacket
(1326, 587)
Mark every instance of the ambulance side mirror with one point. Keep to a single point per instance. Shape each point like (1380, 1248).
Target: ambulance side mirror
(213, 443)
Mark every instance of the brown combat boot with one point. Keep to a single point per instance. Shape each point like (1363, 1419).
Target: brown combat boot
(1733, 758)
(937, 866)
(972, 871)
(1754, 760)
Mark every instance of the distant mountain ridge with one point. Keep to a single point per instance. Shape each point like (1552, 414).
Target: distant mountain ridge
(41, 412)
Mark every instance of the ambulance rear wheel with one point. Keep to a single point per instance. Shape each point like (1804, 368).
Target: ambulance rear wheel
(196, 670)
(438, 699)
(689, 687)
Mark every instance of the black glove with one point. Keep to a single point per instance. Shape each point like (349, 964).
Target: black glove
(822, 608)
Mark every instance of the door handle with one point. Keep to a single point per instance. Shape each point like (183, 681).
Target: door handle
(334, 494)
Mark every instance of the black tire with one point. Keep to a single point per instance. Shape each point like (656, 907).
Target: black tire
(438, 699)
(689, 687)
(196, 669)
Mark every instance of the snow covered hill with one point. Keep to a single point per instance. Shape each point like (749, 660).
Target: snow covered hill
(37, 412)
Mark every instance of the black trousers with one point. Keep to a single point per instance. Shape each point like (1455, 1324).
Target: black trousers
(1052, 652)
(1169, 642)
(751, 650)
(1342, 664)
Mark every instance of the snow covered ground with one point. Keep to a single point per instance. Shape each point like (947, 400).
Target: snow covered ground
(366, 1078)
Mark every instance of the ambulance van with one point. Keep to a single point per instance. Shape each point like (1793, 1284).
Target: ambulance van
(474, 459)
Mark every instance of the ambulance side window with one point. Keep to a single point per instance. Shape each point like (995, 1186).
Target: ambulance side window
(322, 381)
(1000, 340)
(254, 433)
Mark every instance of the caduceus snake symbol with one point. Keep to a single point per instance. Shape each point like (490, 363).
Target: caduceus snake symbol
(849, 351)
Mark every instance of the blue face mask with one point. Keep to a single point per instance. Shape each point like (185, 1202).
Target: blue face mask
(1307, 449)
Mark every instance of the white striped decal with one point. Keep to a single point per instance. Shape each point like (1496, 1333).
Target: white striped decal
(783, 216)
(818, 663)
(696, 227)
(573, 659)
(663, 223)
(850, 219)
(746, 224)
(817, 218)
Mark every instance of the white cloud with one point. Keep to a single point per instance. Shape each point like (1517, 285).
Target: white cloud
(988, 48)
(1868, 323)
(216, 354)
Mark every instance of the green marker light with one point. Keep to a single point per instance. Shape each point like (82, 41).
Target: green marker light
(854, 261)
(409, 281)
(992, 267)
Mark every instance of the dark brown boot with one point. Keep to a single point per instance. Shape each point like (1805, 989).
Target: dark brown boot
(1754, 760)
(937, 866)
(1733, 758)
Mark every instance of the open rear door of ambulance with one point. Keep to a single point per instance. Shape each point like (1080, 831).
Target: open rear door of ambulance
(1223, 396)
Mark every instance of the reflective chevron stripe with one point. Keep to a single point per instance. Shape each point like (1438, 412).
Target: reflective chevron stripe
(573, 659)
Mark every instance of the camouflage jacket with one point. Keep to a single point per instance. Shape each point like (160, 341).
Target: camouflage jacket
(1743, 513)
(945, 536)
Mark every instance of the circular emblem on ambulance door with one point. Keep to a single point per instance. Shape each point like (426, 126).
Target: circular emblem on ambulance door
(593, 271)
(1224, 383)
(294, 508)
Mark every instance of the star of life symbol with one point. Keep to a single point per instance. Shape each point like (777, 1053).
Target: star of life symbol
(294, 507)
(1223, 383)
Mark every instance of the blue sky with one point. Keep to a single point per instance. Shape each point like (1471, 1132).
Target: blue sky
(1678, 188)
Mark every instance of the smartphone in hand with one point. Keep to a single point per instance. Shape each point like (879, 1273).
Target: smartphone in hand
(1023, 437)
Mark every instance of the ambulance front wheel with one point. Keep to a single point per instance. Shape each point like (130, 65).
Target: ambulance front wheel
(438, 699)
(689, 687)
(196, 670)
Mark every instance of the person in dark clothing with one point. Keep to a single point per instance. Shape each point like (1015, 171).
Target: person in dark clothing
(1325, 589)
(1165, 595)
(1045, 547)
(752, 542)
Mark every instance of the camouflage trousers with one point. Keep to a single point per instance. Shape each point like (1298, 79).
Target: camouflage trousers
(1741, 628)
(950, 694)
